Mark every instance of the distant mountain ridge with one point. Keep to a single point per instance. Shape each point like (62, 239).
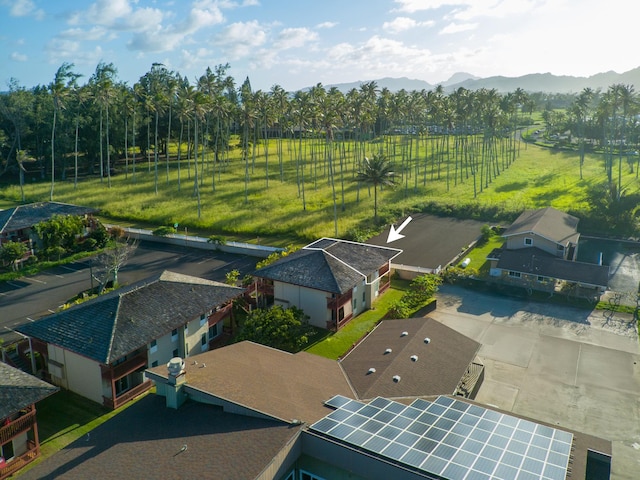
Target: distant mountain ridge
(534, 82)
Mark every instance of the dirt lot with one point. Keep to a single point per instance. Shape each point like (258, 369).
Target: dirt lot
(574, 368)
(431, 241)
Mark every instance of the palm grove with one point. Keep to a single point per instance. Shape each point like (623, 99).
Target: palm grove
(198, 141)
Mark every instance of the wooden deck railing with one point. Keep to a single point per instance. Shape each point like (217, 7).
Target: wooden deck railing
(19, 462)
(20, 424)
(126, 396)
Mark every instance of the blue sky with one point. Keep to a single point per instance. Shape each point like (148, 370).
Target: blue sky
(299, 43)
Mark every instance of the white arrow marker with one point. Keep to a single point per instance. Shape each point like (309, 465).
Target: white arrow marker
(395, 234)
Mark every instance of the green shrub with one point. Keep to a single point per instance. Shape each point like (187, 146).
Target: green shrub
(163, 231)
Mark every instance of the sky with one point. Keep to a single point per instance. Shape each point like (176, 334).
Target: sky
(300, 43)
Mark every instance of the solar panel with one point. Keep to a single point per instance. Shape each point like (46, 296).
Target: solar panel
(450, 438)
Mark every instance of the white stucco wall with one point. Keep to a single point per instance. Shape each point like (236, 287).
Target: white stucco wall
(81, 375)
(312, 302)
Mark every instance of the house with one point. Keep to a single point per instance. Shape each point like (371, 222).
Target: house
(247, 411)
(19, 441)
(331, 280)
(100, 348)
(540, 253)
(16, 224)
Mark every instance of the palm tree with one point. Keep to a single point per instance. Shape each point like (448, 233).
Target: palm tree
(377, 172)
(60, 87)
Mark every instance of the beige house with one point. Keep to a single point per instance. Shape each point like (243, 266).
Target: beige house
(19, 441)
(100, 348)
(540, 252)
(331, 280)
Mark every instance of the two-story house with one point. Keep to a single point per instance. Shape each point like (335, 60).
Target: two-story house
(331, 280)
(19, 441)
(101, 348)
(540, 252)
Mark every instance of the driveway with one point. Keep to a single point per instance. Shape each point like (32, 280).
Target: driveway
(431, 241)
(623, 258)
(565, 366)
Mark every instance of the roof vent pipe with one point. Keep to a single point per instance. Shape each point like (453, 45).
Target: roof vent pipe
(404, 334)
(396, 378)
(371, 370)
(387, 351)
(427, 340)
(414, 358)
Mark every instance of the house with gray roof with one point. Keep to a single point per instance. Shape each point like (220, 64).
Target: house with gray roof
(19, 441)
(540, 253)
(100, 348)
(331, 280)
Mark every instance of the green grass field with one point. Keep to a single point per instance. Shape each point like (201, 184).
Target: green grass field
(539, 177)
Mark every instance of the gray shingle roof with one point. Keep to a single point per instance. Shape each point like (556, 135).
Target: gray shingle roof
(329, 265)
(113, 325)
(19, 390)
(26, 216)
(440, 364)
(547, 222)
(534, 261)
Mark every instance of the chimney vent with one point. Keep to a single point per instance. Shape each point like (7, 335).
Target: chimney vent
(175, 366)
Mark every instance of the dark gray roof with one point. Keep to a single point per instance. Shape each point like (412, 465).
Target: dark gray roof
(113, 325)
(146, 441)
(440, 365)
(329, 265)
(26, 216)
(19, 390)
(534, 261)
(547, 222)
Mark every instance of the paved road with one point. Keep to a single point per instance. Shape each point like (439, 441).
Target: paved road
(33, 297)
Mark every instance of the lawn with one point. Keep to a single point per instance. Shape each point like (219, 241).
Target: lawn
(478, 254)
(337, 344)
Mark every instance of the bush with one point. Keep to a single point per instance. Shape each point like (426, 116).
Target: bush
(101, 236)
(163, 231)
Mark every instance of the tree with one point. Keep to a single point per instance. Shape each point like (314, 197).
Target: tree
(284, 329)
(59, 233)
(112, 260)
(11, 252)
(377, 172)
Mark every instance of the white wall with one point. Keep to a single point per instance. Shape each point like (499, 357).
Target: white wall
(81, 375)
(313, 302)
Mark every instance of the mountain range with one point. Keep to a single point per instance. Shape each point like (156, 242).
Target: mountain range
(534, 82)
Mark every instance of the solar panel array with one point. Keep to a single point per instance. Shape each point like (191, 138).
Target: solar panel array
(450, 438)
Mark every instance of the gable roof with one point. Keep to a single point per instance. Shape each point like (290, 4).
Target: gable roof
(26, 216)
(278, 384)
(110, 326)
(19, 390)
(329, 265)
(548, 223)
(534, 261)
(440, 365)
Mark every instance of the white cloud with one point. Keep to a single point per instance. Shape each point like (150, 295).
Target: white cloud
(327, 25)
(412, 6)
(93, 34)
(458, 27)
(18, 57)
(240, 39)
(24, 8)
(294, 38)
(65, 50)
(401, 24)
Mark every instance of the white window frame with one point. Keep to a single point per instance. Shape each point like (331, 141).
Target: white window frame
(174, 337)
(153, 346)
(528, 241)
(514, 274)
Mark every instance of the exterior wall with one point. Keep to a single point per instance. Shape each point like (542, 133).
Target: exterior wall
(165, 347)
(79, 374)
(20, 444)
(313, 302)
(516, 242)
(193, 332)
(361, 299)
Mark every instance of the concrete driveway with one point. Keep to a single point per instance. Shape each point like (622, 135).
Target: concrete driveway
(561, 365)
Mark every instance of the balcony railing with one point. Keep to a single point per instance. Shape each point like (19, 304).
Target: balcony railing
(125, 368)
(19, 425)
(19, 462)
(126, 396)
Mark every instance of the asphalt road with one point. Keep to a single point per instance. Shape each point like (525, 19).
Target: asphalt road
(30, 298)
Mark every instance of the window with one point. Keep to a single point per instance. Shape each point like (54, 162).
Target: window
(364, 297)
(174, 335)
(308, 476)
(154, 363)
(154, 346)
(203, 342)
(341, 314)
(176, 353)
(514, 274)
(540, 278)
(6, 451)
(528, 241)
(213, 331)
(291, 476)
(355, 304)
(203, 319)
(560, 248)
(122, 385)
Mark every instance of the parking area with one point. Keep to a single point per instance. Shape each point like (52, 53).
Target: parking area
(623, 258)
(565, 366)
(431, 241)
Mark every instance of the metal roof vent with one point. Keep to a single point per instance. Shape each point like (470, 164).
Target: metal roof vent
(404, 334)
(371, 370)
(388, 351)
(427, 340)
(396, 378)
(175, 366)
(414, 358)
